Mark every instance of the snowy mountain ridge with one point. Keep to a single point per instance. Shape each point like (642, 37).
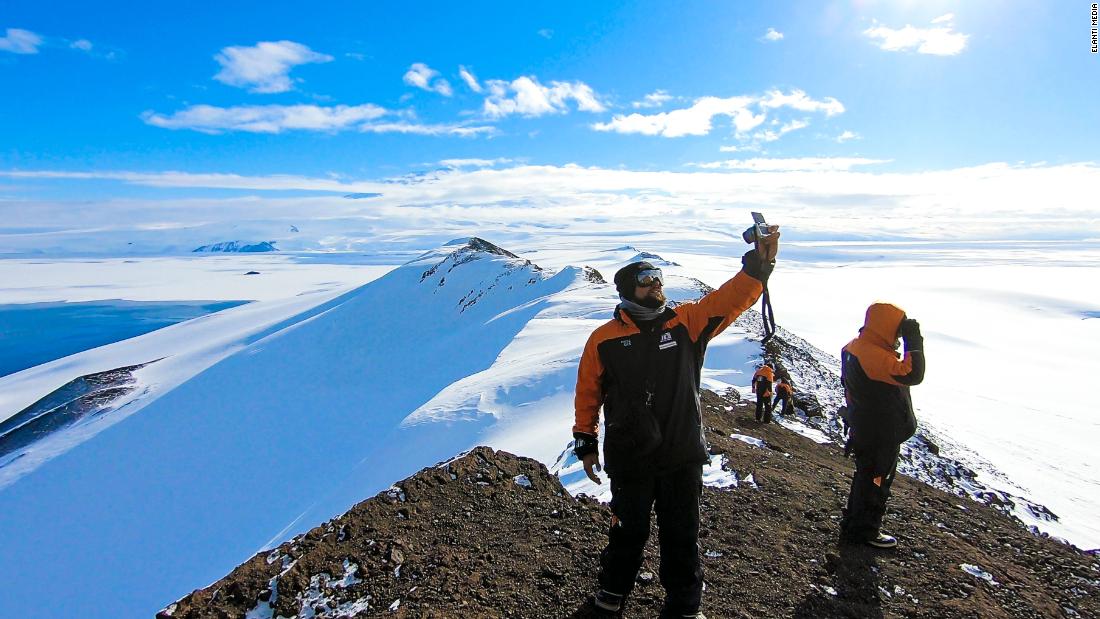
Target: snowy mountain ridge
(329, 395)
(238, 246)
(278, 390)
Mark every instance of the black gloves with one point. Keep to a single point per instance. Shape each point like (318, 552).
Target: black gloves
(755, 267)
(910, 332)
(584, 444)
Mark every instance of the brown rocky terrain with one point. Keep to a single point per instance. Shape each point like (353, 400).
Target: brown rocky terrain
(490, 534)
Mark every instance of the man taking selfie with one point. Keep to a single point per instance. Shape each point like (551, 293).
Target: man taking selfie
(643, 367)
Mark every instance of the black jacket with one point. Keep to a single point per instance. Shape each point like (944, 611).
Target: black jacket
(666, 432)
(877, 381)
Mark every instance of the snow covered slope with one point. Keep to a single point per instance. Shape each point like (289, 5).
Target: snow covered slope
(257, 426)
(288, 421)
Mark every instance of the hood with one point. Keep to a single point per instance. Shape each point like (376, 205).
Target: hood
(881, 324)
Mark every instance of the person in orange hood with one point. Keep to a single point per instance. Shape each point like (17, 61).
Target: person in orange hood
(876, 383)
(643, 368)
(762, 387)
(784, 394)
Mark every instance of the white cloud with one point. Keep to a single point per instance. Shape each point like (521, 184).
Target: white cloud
(279, 118)
(426, 78)
(769, 135)
(267, 118)
(653, 99)
(773, 35)
(846, 136)
(264, 67)
(83, 45)
(546, 33)
(798, 100)
(698, 119)
(18, 41)
(940, 40)
(469, 78)
(474, 163)
(454, 129)
(695, 120)
(987, 201)
(186, 179)
(793, 125)
(739, 148)
(762, 164)
(530, 98)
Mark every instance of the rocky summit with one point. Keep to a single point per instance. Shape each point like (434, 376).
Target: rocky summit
(491, 534)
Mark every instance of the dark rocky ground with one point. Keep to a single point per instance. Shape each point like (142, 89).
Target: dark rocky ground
(465, 539)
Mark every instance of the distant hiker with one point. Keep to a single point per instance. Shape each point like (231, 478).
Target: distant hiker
(762, 387)
(880, 414)
(784, 393)
(643, 368)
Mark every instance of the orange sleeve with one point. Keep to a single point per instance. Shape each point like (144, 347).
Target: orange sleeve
(727, 303)
(589, 395)
(883, 365)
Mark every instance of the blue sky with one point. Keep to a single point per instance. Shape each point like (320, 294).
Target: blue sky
(732, 86)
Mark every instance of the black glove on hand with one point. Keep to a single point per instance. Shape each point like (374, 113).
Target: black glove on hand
(584, 444)
(755, 267)
(910, 332)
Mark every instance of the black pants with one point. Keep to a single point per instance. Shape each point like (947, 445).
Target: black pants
(867, 499)
(787, 405)
(763, 405)
(675, 495)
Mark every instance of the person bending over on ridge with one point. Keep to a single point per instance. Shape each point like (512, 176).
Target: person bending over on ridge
(762, 387)
(784, 393)
(643, 368)
(880, 414)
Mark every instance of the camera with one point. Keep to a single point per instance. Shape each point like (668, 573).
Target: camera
(757, 231)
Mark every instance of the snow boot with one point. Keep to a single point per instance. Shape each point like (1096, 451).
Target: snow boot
(883, 540)
(607, 601)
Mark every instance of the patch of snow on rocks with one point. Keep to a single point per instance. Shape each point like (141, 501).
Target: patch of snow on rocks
(978, 572)
(717, 475)
(751, 440)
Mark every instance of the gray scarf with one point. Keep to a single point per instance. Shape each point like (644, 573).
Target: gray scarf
(640, 312)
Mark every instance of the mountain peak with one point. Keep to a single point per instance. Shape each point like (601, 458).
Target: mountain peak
(474, 243)
(469, 249)
(238, 246)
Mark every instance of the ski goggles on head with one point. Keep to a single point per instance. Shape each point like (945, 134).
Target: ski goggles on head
(648, 277)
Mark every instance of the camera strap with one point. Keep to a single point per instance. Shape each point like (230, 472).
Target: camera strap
(767, 314)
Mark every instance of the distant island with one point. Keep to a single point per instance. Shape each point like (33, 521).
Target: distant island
(238, 246)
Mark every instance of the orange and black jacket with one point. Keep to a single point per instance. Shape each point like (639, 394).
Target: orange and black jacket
(876, 381)
(762, 381)
(783, 390)
(620, 359)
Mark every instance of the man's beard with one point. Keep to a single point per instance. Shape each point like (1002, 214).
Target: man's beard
(653, 300)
